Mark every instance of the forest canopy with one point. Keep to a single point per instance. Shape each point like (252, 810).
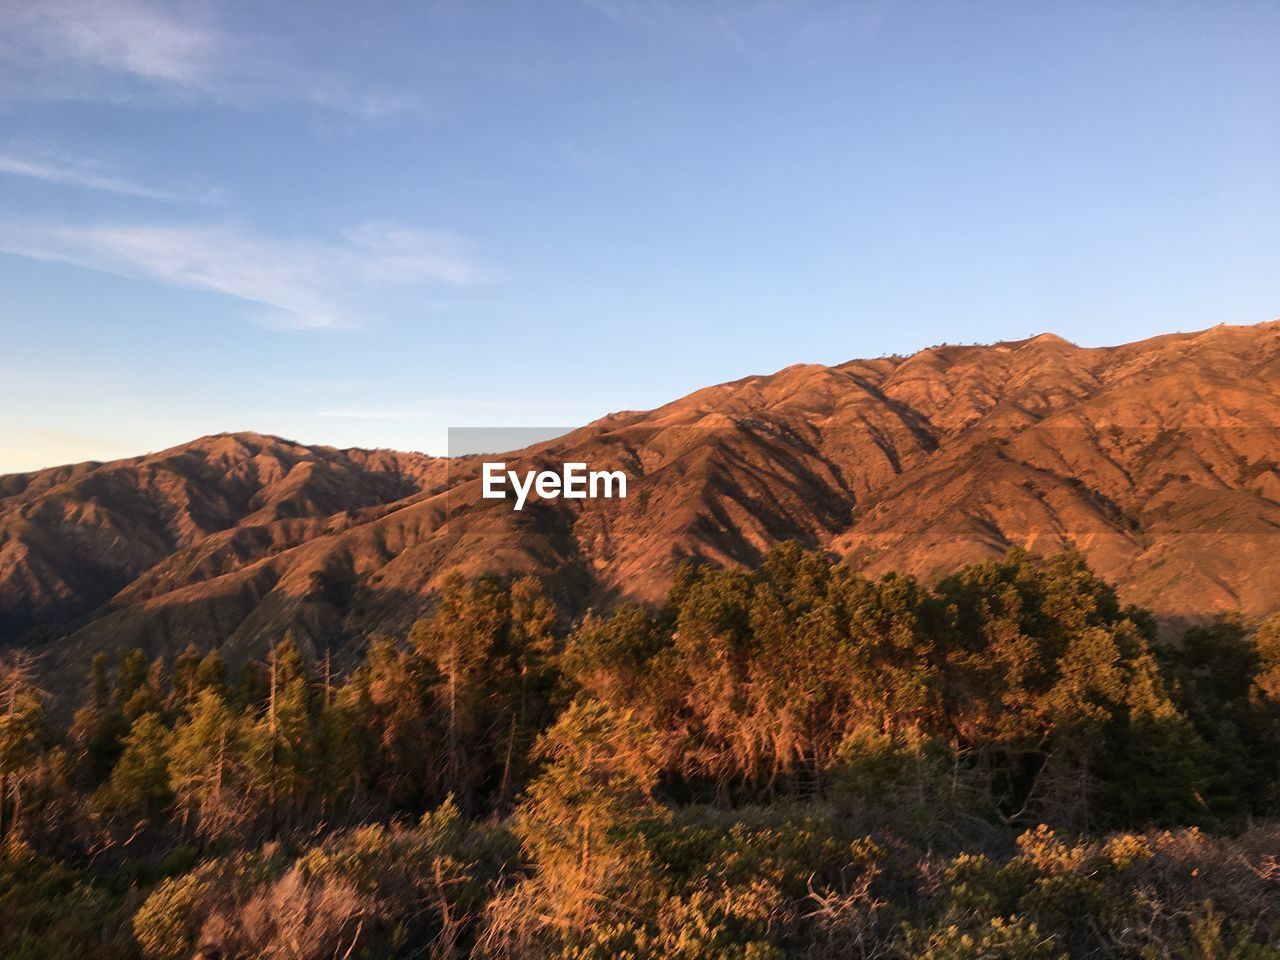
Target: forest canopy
(790, 761)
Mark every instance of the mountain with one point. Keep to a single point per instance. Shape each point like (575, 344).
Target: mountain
(1159, 459)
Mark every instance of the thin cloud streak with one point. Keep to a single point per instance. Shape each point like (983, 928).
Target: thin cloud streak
(303, 285)
(115, 50)
(78, 176)
(150, 42)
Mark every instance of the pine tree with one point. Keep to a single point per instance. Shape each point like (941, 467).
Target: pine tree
(210, 769)
(579, 824)
(99, 726)
(139, 782)
(130, 674)
(1266, 643)
(148, 696)
(24, 738)
(390, 711)
(465, 639)
(533, 617)
(211, 674)
(183, 686)
(283, 740)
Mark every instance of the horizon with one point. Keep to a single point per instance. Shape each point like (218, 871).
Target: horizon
(539, 434)
(360, 230)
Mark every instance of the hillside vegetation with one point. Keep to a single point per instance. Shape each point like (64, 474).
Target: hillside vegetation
(789, 761)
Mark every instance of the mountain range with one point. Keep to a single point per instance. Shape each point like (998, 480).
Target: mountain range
(1160, 460)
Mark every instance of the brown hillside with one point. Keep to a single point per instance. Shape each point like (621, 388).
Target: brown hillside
(1158, 459)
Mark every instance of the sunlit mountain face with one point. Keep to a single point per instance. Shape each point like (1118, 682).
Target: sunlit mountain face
(1156, 459)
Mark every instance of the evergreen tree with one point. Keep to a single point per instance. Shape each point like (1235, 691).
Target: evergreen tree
(466, 640)
(99, 726)
(211, 771)
(211, 674)
(531, 641)
(283, 742)
(139, 781)
(131, 673)
(393, 725)
(183, 685)
(24, 739)
(580, 823)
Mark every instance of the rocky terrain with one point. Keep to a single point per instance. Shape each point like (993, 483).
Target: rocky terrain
(1159, 459)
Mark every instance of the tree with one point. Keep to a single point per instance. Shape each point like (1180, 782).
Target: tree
(466, 641)
(282, 743)
(1218, 676)
(533, 618)
(209, 769)
(211, 674)
(24, 738)
(1266, 643)
(183, 685)
(390, 713)
(150, 695)
(139, 782)
(99, 726)
(579, 825)
(130, 674)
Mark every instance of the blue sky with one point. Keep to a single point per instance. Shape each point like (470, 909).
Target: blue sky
(361, 224)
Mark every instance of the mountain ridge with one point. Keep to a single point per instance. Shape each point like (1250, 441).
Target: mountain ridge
(1157, 458)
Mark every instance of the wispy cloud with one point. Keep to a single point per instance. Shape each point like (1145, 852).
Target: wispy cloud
(154, 42)
(82, 175)
(119, 49)
(303, 284)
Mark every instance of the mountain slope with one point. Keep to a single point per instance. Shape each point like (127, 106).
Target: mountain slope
(1158, 459)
